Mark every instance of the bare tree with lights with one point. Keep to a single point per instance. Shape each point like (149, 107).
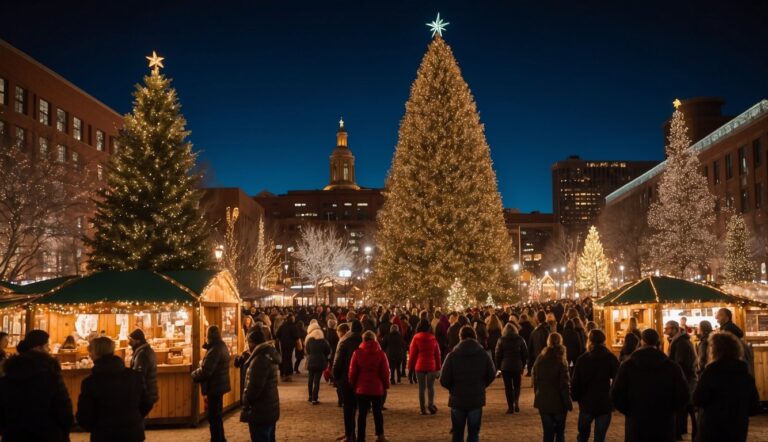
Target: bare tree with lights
(264, 260)
(321, 254)
(682, 217)
(148, 215)
(442, 220)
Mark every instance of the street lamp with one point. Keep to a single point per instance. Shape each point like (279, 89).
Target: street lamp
(621, 267)
(218, 252)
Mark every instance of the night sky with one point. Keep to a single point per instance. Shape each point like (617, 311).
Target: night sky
(263, 83)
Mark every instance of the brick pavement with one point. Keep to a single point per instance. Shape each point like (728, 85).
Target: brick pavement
(301, 421)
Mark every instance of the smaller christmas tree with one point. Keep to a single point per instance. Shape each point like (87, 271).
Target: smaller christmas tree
(489, 301)
(592, 269)
(738, 266)
(457, 297)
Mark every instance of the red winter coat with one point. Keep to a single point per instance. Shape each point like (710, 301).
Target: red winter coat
(369, 370)
(424, 354)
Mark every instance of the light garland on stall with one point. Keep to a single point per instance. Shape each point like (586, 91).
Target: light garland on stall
(114, 307)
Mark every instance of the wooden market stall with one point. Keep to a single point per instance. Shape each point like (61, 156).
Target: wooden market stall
(173, 309)
(654, 300)
(14, 300)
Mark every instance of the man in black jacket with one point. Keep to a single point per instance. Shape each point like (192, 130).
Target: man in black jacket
(648, 390)
(145, 362)
(347, 345)
(113, 399)
(261, 401)
(34, 402)
(286, 337)
(538, 339)
(591, 386)
(467, 372)
(213, 377)
(681, 351)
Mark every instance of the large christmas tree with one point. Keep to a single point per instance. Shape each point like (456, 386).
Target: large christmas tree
(147, 216)
(682, 217)
(738, 265)
(442, 220)
(592, 268)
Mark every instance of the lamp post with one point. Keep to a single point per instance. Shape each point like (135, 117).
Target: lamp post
(621, 267)
(218, 252)
(516, 269)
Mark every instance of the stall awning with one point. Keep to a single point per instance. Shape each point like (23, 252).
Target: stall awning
(42, 287)
(194, 280)
(132, 286)
(668, 290)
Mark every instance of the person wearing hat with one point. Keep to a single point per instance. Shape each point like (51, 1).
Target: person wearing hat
(34, 402)
(213, 377)
(591, 387)
(145, 362)
(261, 402)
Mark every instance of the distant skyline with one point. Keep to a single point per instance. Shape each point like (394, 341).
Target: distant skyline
(263, 84)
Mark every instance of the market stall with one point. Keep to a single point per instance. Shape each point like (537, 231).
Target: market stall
(14, 301)
(172, 308)
(654, 300)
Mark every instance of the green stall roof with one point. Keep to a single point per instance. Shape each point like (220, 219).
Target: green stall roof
(42, 287)
(668, 290)
(194, 280)
(131, 286)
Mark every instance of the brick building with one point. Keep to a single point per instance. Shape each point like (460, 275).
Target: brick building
(734, 160)
(42, 113)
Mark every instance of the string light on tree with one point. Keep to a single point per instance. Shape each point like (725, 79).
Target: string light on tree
(739, 267)
(457, 300)
(592, 268)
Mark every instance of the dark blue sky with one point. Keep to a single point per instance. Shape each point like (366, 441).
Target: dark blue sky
(263, 83)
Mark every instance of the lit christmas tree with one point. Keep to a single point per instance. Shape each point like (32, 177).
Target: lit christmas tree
(738, 265)
(442, 218)
(147, 216)
(457, 300)
(489, 302)
(683, 215)
(592, 268)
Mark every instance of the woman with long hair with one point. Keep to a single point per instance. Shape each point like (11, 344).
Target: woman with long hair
(551, 384)
(424, 359)
(494, 327)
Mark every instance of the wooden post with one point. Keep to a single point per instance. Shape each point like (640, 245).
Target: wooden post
(196, 343)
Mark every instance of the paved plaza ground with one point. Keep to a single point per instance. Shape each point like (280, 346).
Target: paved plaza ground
(301, 421)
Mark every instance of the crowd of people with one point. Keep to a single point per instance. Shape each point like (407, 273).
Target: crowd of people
(363, 352)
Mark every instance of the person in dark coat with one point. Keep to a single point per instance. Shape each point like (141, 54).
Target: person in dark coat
(591, 387)
(302, 335)
(332, 336)
(34, 402)
(526, 328)
(494, 326)
(551, 385)
(261, 401)
(317, 350)
(241, 361)
(538, 339)
(631, 342)
(144, 361)
(468, 370)
(511, 354)
(394, 347)
(3, 355)
(681, 351)
(453, 333)
(574, 345)
(649, 389)
(369, 377)
(726, 394)
(287, 336)
(347, 346)
(213, 377)
(113, 399)
(702, 348)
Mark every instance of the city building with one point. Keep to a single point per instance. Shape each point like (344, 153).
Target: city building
(579, 188)
(341, 204)
(42, 113)
(530, 233)
(734, 159)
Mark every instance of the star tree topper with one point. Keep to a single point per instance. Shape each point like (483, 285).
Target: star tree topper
(155, 62)
(677, 103)
(437, 26)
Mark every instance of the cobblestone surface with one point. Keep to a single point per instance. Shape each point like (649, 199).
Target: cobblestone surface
(301, 421)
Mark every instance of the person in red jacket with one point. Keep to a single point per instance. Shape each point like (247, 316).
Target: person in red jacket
(369, 377)
(424, 358)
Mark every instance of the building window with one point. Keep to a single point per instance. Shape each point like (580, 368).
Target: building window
(42, 144)
(99, 140)
(100, 172)
(77, 128)
(61, 153)
(21, 137)
(757, 153)
(76, 160)
(346, 171)
(20, 104)
(716, 172)
(61, 120)
(3, 88)
(744, 200)
(79, 223)
(114, 146)
(728, 166)
(758, 195)
(44, 112)
(728, 200)
(742, 160)
(705, 172)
